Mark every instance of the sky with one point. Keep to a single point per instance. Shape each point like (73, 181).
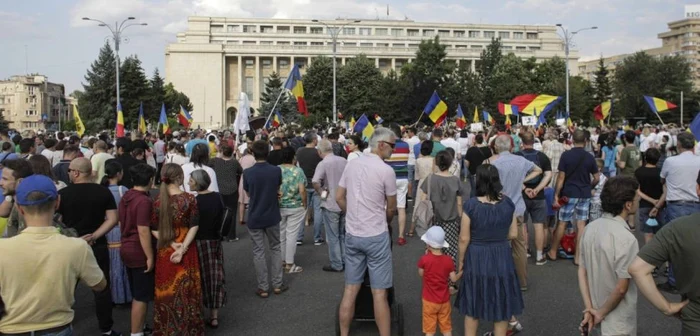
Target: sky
(49, 37)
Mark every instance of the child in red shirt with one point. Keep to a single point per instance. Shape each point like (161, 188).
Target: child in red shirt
(436, 269)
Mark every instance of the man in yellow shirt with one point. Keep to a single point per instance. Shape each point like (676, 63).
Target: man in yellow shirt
(37, 285)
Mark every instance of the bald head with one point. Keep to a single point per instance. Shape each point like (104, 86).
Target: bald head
(80, 170)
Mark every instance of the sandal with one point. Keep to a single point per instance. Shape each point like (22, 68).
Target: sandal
(281, 289)
(411, 233)
(211, 323)
(293, 268)
(262, 293)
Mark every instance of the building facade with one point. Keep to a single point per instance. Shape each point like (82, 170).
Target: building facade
(31, 102)
(681, 39)
(217, 58)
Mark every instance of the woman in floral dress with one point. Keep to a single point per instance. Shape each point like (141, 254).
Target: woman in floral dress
(178, 294)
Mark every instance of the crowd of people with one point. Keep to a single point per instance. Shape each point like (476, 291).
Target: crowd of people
(141, 220)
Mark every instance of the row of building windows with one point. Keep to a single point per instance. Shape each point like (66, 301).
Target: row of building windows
(369, 44)
(375, 31)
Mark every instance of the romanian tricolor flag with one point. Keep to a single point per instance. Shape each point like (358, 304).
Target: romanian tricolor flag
(508, 122)
(488, 118)
(295, 85)
(120, 121)
(507, 109)
(276, 119)
(436, 109)
(142, 121)
(364, 127)
(184, 117)
(530, 103)
(460, 120)
(602, 111)
(163, 120)
(476, 115)
(378, 119)
(659, 105)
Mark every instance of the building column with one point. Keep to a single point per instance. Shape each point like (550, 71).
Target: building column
(376, 62)
(473, 65)
(256, 80)
(342, 60)
(240, 78)
(274, 64)
(393, 64)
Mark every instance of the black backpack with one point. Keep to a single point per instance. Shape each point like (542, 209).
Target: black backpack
(534, 157)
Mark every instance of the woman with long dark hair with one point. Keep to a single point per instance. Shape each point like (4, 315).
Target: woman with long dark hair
(355, 147)
(489, 288)
(178, 294)
(41, 166)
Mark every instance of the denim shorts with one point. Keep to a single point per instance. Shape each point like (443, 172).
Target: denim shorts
(576, 209)
(373, 253)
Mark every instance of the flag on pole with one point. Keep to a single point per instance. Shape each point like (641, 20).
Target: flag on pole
(295, 85)
(120, 121)
(529, 103)
(507, 109)
(364, 127)
(142, 120)
(436, 109)
(659, 105)
(488, 118)
(352, 122)
(461, 120)
(476, 115)
(695, 127)
(275, 121)
(378, 119)
(184, 117)
(602, 111)
(241, 124)
(163, 120)
(79, 126)
(508, 122)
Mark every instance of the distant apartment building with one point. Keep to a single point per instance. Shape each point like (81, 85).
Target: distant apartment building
(682, 38)
(31, 102)
(217, 58)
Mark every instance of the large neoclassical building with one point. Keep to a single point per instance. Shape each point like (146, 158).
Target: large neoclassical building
(217, 58)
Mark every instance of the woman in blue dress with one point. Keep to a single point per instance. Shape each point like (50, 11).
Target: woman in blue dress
(118, 281)
(490, 289)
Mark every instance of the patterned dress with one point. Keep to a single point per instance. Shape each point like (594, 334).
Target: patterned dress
(178, 297)
(118, 280)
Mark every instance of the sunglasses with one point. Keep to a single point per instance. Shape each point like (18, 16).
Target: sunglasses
(391, 144)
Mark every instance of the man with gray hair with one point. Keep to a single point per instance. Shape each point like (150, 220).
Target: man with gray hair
(514, 171)
(325, 182)
(367, 195)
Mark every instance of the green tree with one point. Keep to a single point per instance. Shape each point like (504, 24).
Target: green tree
(287, 104)
(603, 89)
(359, 81)
(174, 99)
(510, 78)
(427, 73)
(463, 88)
(548, 77)
(156, 96)
(390, 96)
(318, 87)
(486, 66)
(98, 103)
(135, 89)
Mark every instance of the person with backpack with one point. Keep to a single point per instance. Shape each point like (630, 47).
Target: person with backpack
(533, 194)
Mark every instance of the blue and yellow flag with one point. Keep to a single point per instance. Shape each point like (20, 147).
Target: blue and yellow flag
(436, 109)
(364, 127)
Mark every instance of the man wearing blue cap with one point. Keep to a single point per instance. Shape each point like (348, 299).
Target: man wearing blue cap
(39, 302)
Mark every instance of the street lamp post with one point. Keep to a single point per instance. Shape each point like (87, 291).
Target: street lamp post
(334, 31)
(568, 37)
(117, 38)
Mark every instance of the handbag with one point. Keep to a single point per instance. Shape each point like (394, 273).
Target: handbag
(226, 219)
(423, 213)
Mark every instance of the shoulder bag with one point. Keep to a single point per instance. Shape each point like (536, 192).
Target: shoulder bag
(226, 219)
(423, 213)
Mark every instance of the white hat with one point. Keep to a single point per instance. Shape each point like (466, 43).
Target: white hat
(435, 238)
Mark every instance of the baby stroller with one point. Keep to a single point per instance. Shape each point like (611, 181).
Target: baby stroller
(364, 307)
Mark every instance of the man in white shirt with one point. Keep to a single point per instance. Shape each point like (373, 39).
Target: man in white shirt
(50, 145)
(99, 159)
(449, 141)
(412, 140)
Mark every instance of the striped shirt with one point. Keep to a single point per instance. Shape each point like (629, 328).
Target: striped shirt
(399, 160)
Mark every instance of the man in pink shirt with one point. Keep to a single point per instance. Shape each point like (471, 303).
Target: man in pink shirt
(367, 195)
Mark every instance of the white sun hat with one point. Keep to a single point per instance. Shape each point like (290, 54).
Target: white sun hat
(435, 238)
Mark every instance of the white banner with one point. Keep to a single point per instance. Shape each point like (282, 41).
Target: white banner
(476, 127)
(529, 120)
(561, 122)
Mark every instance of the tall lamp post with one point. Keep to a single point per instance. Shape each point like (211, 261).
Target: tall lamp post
(117, 38)
(568, 37)
(334, 31)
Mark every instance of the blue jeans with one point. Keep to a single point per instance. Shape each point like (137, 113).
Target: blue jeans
(472, 185)
(674, 211)
(68, 331)
(314, 200)
(412, 180)
(335, 237)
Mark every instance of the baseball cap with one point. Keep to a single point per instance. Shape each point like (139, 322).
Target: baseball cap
(435, 238)
(35, 183)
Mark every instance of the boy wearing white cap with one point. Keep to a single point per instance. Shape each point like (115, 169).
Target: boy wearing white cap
(436, 269)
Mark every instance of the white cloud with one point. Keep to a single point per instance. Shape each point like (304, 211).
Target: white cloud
(15, 26)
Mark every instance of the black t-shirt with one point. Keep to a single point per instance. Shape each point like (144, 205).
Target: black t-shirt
(543, 163)
(210, 211)
(275, 157)
(649, 183)
(308, 159)
(127, 162)
(84, 207)
(475, 156)
(139, 143)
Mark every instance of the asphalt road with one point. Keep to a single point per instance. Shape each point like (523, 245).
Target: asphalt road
(552, 304)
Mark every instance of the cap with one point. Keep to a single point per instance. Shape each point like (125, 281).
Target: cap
(435, 238)
(35, 183)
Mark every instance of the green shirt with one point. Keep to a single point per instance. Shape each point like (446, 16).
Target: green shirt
(437, 147)
(632, 157)
(291, 178)
(678, 244)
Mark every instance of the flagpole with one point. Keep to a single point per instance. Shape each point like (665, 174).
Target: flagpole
(681, 109)
(273, 107)
(417, 121)
(662, 122)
